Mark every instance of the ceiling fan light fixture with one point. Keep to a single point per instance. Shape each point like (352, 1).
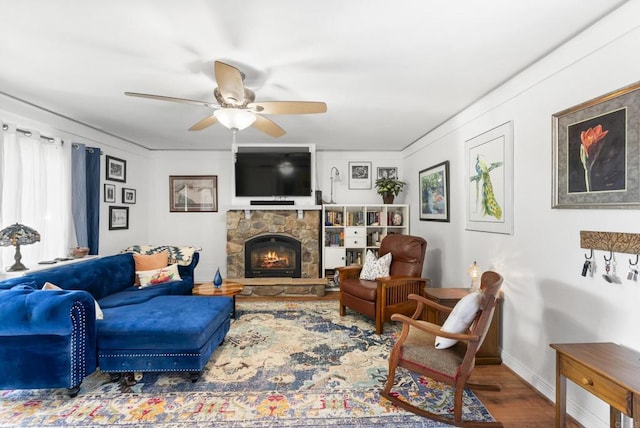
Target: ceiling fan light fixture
(234, 118)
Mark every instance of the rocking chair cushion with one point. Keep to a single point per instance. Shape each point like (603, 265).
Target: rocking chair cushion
(460, 318)
(416, 349)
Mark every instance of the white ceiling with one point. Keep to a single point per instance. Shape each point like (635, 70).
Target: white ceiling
(388, 71)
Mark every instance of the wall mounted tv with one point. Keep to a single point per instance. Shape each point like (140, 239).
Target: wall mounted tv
(272, 172)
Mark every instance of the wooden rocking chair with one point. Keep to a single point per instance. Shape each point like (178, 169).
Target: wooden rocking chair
(416, 351)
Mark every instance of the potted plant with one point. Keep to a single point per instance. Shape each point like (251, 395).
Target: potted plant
(389, 187)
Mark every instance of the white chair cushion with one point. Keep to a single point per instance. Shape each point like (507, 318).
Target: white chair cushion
(460, 318)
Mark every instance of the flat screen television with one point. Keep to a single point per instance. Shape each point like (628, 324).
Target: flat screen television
(266, 173)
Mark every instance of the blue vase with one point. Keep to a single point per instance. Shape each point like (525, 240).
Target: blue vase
(217, 279)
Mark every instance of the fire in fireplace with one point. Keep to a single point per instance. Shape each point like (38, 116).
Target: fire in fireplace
(272, 256)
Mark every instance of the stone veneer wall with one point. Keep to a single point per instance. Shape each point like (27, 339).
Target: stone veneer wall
(285, 222)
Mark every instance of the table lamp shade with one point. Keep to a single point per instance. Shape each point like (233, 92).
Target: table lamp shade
(16, 235)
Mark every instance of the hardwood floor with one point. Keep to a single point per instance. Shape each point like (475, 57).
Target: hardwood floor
(516, 405)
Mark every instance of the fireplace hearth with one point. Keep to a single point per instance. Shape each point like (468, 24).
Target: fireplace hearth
(272, 255)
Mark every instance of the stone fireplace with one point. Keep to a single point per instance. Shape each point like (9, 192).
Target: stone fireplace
(261, 225)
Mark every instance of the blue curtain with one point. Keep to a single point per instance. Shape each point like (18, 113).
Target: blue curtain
(93, 198)
(85, 200)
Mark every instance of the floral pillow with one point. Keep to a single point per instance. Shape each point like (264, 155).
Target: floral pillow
(158, 276)
(375, 268)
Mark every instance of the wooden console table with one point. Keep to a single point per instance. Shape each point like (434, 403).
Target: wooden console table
(610, 372)
(489, 352)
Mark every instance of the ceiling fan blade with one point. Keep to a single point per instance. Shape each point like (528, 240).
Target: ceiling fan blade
(204, 123)
(173, 99)
(268, 126)
(230, 83)
(288, 107)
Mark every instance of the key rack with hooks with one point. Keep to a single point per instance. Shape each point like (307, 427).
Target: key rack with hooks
(617, 242)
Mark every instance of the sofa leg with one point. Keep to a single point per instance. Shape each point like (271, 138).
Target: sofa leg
(129, 379)
(194, 376)
(73, 392)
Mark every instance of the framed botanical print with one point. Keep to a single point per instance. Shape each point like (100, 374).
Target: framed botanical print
(596, 152)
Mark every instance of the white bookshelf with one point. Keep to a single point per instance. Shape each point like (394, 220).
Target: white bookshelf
(348, 231)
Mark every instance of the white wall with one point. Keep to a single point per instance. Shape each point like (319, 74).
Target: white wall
(546, 299)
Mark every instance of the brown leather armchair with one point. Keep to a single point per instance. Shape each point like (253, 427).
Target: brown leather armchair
(383, 297)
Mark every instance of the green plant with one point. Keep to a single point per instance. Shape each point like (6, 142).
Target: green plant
(388, 186)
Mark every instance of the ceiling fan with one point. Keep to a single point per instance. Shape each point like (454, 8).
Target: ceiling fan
(236, 108)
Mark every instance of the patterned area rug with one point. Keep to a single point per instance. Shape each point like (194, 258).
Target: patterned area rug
(283, 364)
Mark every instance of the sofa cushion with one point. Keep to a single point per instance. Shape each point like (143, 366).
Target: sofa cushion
(134, 294)
(163, 323)
(147, 262)
(158, 276)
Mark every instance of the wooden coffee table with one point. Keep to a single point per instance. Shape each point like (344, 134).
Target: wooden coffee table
(228, 288)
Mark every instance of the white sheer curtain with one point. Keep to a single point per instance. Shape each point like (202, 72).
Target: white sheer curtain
(35, 190)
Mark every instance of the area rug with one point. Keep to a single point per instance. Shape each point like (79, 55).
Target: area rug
(284, 364)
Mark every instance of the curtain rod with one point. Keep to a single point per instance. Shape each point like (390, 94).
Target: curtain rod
(28, 133)
(89, 149)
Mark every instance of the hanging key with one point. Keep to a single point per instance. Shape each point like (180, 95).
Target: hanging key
(586, 267)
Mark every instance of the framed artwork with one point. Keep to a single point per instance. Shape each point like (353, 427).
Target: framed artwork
(110, 193)
(489, 180)
(128, 196)
(434, 192)
(360, 175)
(118, 218)
(193, 193)
(116, 169)
(596, 152)
(387, 172)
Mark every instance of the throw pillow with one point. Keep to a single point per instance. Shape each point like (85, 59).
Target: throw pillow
(460, 318)
(375, 268)
(50, 286)
(145, 262)
(159, 276)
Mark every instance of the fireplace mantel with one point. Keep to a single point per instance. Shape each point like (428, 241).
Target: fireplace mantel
(248, 208)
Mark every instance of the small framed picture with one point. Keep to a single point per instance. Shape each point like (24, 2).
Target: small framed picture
(360, 175)
(193, 193)
(387, 172)
(110, 193)
(128, 196)
(116, 169)
(118, 218)
(434, 192)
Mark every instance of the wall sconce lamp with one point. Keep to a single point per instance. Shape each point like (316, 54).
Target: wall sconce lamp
(334, 179)
(18, 234)
(474, 272)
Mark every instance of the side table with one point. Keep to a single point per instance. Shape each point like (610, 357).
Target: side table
(228, 288)
(610, 372)
(489, 352)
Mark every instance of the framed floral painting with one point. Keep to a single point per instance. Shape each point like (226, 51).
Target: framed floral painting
(596, 152)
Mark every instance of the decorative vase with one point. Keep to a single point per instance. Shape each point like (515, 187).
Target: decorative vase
(217, 279)
(387, 198)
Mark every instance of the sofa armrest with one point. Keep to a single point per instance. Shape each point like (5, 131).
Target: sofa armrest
(54, 334)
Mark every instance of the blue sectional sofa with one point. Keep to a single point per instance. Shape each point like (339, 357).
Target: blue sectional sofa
(51, 339)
